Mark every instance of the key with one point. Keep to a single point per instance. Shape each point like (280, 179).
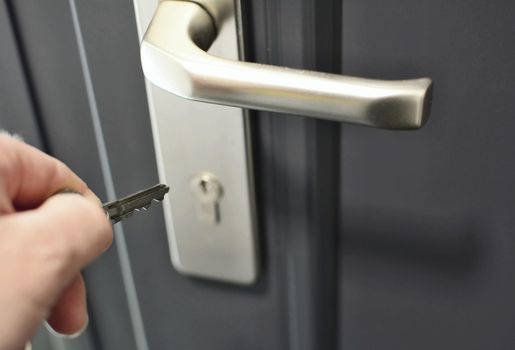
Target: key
(122, 208)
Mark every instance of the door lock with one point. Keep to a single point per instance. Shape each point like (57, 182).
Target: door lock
(190, 49)
(208, 191)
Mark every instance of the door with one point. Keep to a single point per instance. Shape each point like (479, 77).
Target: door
(369, 238)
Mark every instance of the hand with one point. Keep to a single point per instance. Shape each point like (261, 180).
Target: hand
(45, 240)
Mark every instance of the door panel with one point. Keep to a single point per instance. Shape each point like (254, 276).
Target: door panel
(17, 114)
(427, 216)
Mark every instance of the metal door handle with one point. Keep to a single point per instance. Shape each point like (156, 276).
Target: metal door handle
(174, 57)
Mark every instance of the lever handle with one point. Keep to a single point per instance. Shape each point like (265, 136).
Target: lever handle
(174, 57)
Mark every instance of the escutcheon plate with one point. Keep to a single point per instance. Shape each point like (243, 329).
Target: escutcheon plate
(193, 137)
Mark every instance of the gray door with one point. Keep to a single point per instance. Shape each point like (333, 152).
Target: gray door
(370, 239)
(427, 218)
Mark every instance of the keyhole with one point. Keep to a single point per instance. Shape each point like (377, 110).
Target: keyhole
(203, 185)
(208, 191)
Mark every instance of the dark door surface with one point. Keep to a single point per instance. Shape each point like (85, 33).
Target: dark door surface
(426, 218)
(370, 239)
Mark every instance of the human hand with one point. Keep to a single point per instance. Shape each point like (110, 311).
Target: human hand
(45, 240)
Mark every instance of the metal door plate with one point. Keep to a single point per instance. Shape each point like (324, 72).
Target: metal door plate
(192, 138)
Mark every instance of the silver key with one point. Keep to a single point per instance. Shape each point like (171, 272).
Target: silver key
(122, 208)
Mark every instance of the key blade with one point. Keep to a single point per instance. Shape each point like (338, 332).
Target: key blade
(124, 207)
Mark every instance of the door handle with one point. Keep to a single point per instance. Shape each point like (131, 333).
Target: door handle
(174, 57)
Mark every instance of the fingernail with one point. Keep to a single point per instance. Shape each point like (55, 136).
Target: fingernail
(66, 190)
(67, 336)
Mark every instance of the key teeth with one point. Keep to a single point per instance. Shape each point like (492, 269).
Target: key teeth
(129, 214)
(121, 204)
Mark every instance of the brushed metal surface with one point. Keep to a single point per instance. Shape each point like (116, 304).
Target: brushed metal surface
(220, 10)
(190, 138)
(174, 58)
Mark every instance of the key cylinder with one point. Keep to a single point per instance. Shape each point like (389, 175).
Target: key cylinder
(208, 192)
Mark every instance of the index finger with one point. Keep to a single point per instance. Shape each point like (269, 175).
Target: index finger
(28, 176)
